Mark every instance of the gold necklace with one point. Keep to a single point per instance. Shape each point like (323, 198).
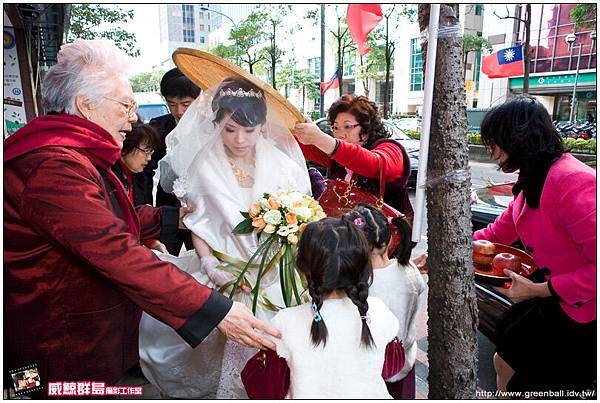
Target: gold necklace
(243, 177)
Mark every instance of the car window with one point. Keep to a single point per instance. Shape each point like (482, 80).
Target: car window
(148, 112)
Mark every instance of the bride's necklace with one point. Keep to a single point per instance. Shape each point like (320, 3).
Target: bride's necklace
(244, 178)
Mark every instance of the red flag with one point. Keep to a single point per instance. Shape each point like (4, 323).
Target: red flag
(361, 19)
(504, 63)
(334, 82)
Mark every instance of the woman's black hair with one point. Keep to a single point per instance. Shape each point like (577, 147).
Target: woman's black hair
(523, 129)
(334, 254)
(141, 134)
(237, 97)
(366, 114)
(175, 85)
(378, 232)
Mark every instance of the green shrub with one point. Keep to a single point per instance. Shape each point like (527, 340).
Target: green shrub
(314, 115)
(415, 135)
(474, 138)
(581, 146)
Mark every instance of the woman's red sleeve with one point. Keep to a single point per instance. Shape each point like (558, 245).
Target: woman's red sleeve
(365, 162)
(266, 376)
(314, 154)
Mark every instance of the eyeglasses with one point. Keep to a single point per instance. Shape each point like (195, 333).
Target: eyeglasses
(131, 107)
(147, 152)
(345, 128)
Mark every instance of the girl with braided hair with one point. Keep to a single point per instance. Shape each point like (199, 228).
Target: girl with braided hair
(397, 282)
(342, 343)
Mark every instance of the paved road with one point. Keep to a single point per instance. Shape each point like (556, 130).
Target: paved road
(481, 173)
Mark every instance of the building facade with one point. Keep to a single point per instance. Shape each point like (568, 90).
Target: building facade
(556, 68)
(187, 26)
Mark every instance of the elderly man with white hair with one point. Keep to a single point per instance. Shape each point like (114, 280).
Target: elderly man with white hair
(74, 269)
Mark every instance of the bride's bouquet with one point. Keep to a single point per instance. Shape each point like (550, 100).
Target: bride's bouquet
(279, 219)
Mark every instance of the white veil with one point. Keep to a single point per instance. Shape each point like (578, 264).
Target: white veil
(197, 169)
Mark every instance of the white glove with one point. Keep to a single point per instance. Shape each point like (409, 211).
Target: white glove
(217, 276)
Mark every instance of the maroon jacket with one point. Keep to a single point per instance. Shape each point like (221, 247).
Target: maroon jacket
(73, 270)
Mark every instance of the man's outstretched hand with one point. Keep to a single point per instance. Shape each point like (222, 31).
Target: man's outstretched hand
(241, 326)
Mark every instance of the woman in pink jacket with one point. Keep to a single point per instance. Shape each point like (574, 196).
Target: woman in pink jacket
(547, 340)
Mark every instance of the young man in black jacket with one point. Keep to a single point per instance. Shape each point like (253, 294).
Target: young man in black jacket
(179, 92)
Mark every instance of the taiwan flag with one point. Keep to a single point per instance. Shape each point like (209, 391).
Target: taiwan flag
(504, 63)
(334, 82)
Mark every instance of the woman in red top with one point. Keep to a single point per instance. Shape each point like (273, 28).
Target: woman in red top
(138, 147)
(360, 139)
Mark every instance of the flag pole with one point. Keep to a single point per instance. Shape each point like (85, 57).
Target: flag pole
(434, 17)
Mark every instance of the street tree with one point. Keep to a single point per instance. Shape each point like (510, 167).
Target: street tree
(227, 52)
(274, 15)
(473, 43)
(147, 82)
(285, 77)
(247, 37)
(343, 42)
(584, 15)
(306, 81)
(392, 17)
(526, 21)
(95, 21)
(372, 64)
(452, 306)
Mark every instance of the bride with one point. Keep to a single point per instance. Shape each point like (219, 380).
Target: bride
(225, 153)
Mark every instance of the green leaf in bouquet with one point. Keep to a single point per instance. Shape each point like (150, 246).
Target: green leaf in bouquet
(256, 290)
(290, 265)
(246, 267)
(245, 214)
(245, 227)
(266, 302)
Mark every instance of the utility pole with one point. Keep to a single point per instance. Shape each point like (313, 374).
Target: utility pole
(322, 78)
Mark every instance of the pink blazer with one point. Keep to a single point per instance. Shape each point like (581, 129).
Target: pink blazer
(560, 234)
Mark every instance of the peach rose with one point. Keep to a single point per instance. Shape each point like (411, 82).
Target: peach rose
(258, 223)
(273, 204)
(254, 210)
(292, 238)
(291, 218)
(269, 228)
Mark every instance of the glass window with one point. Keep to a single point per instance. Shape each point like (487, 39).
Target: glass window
(201, 27)
(187, 15)
(380, 85)
(479, 9)
(188, 35)
(314, 65)
(550, 23)
(477, 70)
(202, 40)
(416, 66)
(349, 63)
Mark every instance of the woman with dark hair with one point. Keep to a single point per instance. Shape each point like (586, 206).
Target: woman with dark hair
(360, 144)
(138, 147)
(547, 340)
(341, 344)
(224, 155)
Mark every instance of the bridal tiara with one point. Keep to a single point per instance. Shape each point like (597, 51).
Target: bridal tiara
(240, 93)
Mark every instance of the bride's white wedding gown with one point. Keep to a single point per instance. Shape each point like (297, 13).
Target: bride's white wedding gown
(213, 368)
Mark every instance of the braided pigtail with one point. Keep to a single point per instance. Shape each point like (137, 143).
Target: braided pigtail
(318, 330)
(358, 294)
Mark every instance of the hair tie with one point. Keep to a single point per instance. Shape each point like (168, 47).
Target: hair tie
(366, 318)
(315, 313)
(359, 222)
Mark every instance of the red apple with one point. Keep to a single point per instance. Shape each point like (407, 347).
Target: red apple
(506, 261)
(483, 251)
